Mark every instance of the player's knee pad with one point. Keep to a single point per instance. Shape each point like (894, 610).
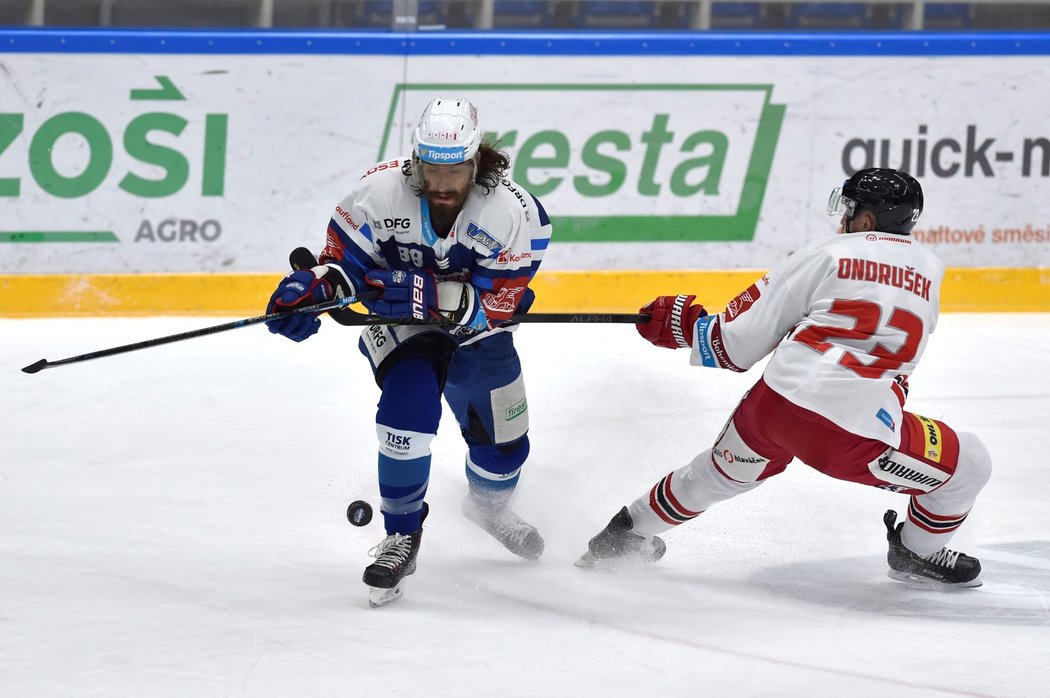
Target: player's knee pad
(411, 398)
(943, 510)
(496, 467)
(975, 463)
(493, 410)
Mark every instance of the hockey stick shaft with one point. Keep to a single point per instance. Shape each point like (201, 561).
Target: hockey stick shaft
(192, 334)
(606, 318)
(348, 317)
(303, 258)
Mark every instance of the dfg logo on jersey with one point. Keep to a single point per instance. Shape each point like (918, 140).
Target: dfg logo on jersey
(396, 223)
(655, 162)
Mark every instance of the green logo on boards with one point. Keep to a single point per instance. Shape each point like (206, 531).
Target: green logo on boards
(71, 154)
(679, 162)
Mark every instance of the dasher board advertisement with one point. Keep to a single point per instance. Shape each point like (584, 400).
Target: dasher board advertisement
(215, 158)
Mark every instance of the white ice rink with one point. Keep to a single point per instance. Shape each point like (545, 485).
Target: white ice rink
(172, 524)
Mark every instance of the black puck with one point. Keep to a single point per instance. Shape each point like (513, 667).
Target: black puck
(359, 513)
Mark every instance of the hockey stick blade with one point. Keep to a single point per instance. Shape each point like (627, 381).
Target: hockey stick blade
(36, 366)
(302, 258)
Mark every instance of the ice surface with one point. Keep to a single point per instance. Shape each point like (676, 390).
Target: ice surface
(172, 523)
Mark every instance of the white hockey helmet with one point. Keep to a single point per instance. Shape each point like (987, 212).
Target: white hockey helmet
(448, 132)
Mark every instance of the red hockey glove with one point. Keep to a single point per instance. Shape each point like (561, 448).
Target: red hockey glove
(671, 322)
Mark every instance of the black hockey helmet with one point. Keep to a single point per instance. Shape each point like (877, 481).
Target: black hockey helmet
(892, 196)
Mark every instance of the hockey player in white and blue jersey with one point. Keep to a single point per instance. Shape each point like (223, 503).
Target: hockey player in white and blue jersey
(441, 234)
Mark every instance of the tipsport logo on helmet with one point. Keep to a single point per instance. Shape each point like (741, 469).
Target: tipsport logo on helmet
(441, 156)
(622, 162)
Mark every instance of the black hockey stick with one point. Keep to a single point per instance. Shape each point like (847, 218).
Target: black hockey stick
(302, 258)
(320, 307)
(352, 318)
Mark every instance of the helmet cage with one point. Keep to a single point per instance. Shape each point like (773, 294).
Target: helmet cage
(415, 179)
(839, 204)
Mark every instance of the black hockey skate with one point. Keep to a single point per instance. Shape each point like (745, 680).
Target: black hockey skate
(945, 568)
(395, 559)
(514, 533)
(619, 542)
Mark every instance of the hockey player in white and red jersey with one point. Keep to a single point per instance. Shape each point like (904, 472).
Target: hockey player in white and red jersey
(848, 318)
(444, 235)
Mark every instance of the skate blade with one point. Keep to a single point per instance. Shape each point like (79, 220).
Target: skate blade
(589, 561)
(927, 583)
(381, 597)
(586, 560)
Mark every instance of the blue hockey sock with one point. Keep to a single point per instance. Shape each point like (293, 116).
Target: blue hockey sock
(406, 422)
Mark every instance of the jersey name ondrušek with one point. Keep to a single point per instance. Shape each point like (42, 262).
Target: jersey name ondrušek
(849, 317)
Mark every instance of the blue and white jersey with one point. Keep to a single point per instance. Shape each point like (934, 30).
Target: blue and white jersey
(496, 243)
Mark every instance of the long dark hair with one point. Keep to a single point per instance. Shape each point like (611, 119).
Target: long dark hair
(492, 166)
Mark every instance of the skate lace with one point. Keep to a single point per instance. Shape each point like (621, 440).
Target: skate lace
(944, 558)
(392, 550)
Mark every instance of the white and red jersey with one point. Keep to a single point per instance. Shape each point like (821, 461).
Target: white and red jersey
(849, 317)
(496, 243)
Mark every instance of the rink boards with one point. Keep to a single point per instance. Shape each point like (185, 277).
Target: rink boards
(148, 172)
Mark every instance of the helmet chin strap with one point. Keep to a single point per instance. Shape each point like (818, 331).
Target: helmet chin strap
(849, 221)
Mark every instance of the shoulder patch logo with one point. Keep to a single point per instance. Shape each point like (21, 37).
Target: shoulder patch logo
(481, 236)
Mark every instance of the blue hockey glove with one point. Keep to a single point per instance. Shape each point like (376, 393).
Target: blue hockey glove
(403, 294)
(300, 288)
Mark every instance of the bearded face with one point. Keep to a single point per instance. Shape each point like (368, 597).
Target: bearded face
(447, 186)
